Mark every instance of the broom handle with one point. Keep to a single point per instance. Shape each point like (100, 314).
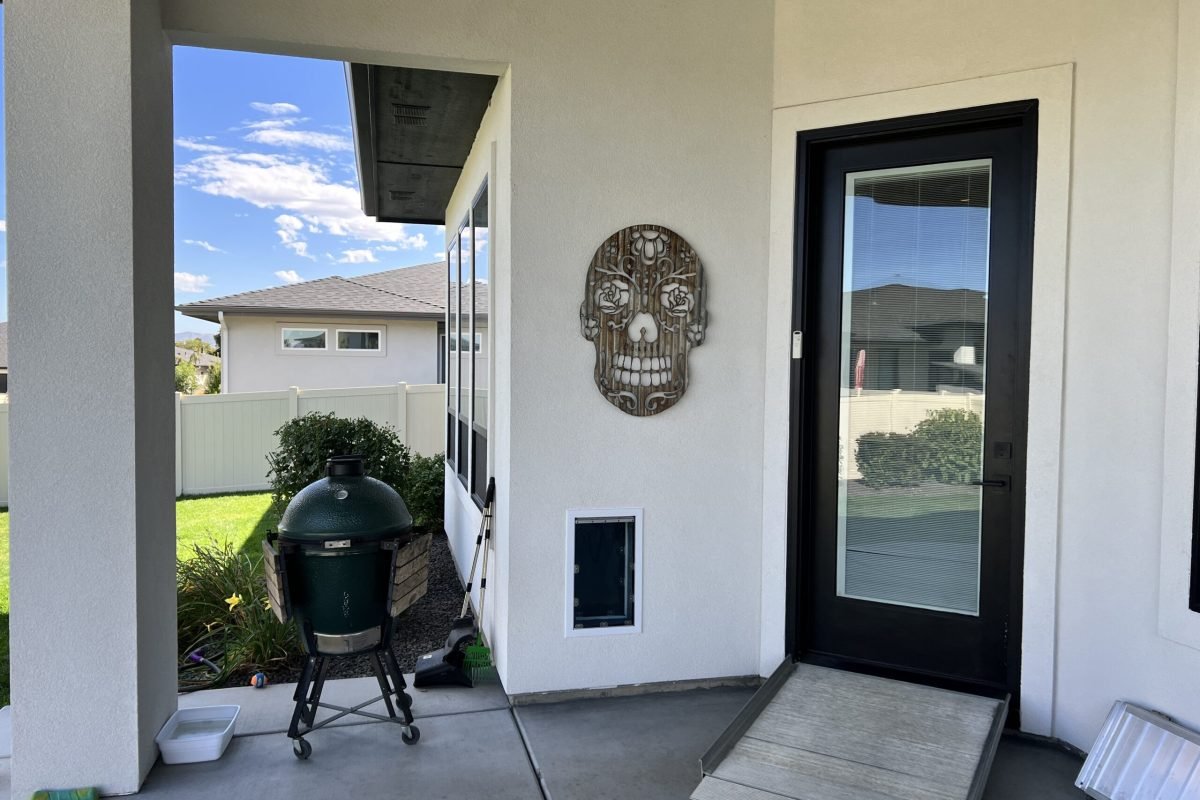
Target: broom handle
(487, 546)
(483, 525)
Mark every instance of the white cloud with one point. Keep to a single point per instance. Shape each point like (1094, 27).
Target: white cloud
(357, 257)
(203, 245)
(263, 124)
(289, 234)
(293, 185)
(387, 248)
(289, 227)
(300, 249)
(191, 284)
(284, 137)
(3, 226)
(276, 109)
(288, 276)
(199, 146)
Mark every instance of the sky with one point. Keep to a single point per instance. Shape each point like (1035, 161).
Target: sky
(266, 191)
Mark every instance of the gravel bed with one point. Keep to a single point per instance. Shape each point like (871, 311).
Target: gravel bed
(419, 630)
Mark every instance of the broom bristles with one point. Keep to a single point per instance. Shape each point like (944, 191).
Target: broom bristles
(477, 660)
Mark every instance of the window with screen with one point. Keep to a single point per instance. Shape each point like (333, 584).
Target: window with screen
(474, 346)
(451, 353)
(466, 369)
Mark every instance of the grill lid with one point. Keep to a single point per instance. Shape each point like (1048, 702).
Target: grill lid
(346, 504)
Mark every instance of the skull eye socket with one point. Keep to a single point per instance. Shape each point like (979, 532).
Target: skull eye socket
(677, 299)
(612, 296)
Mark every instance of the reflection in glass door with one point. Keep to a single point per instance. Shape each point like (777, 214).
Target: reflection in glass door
(910, 417)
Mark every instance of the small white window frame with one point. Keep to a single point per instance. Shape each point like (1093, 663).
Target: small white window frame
(639, 598)
(358, 351)
(478, 342)
(283, 329)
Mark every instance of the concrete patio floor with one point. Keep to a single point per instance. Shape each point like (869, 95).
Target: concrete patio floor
(473, 744)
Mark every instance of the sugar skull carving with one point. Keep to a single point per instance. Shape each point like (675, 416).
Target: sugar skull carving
(643, 308)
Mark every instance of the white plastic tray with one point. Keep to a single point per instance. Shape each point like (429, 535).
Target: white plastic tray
(197, 734)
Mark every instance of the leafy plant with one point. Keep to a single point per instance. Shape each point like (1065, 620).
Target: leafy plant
(889, 459)
(425, 491)
(213, 384)
(224, 612)
(307, 442)
(951, 448)
(185, 377)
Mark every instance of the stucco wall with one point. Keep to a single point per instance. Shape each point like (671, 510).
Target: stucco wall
(256, 362)
(1124, 54)
(622, 112)
(490, 160)
(92, 554)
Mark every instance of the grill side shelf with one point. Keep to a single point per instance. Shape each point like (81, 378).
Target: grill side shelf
(410, 574)
(275, 576)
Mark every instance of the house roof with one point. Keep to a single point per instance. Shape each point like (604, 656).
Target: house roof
(199, 359)
(3, 345)
(417, 292)
(900, 313)
(413, 131)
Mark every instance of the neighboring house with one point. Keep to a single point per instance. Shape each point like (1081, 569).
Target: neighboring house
(369, 330)
(3, 358)
(204, 362)
(915, 338)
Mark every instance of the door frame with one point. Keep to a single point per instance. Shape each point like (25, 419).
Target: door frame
(1053, 87)
(803, 472)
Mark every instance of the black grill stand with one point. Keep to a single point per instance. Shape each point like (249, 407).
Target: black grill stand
(312, 682)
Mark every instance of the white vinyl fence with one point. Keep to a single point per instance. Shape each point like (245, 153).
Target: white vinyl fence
(222, 440)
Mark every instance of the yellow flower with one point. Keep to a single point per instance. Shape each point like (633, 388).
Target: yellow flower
(267, 603)
(234, 601)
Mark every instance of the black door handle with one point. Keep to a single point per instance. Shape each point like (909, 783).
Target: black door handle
(997, 483)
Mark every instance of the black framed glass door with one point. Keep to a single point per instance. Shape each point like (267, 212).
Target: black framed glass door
(913, 265)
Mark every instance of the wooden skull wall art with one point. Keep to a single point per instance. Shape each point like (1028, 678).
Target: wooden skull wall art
(643, 309)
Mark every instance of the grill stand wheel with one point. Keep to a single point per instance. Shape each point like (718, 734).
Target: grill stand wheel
(312, 682)
(302, 749)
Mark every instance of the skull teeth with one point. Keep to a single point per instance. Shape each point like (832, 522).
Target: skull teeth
(642, 364)
(642, 377)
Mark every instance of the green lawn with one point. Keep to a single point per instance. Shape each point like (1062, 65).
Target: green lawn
(240, 519)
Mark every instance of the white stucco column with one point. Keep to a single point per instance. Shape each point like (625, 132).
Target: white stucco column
(88, 123)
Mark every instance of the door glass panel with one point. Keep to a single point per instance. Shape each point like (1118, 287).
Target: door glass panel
(913, 338)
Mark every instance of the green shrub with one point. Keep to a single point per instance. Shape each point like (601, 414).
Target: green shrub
(889, 459)
(213, 384)
(305, 443)
(185, 377)
(952, 445)
(425, 492)
(224, 611)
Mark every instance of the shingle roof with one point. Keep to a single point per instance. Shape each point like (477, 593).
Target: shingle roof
(418, 291)
(199, 359)
(899, 313)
